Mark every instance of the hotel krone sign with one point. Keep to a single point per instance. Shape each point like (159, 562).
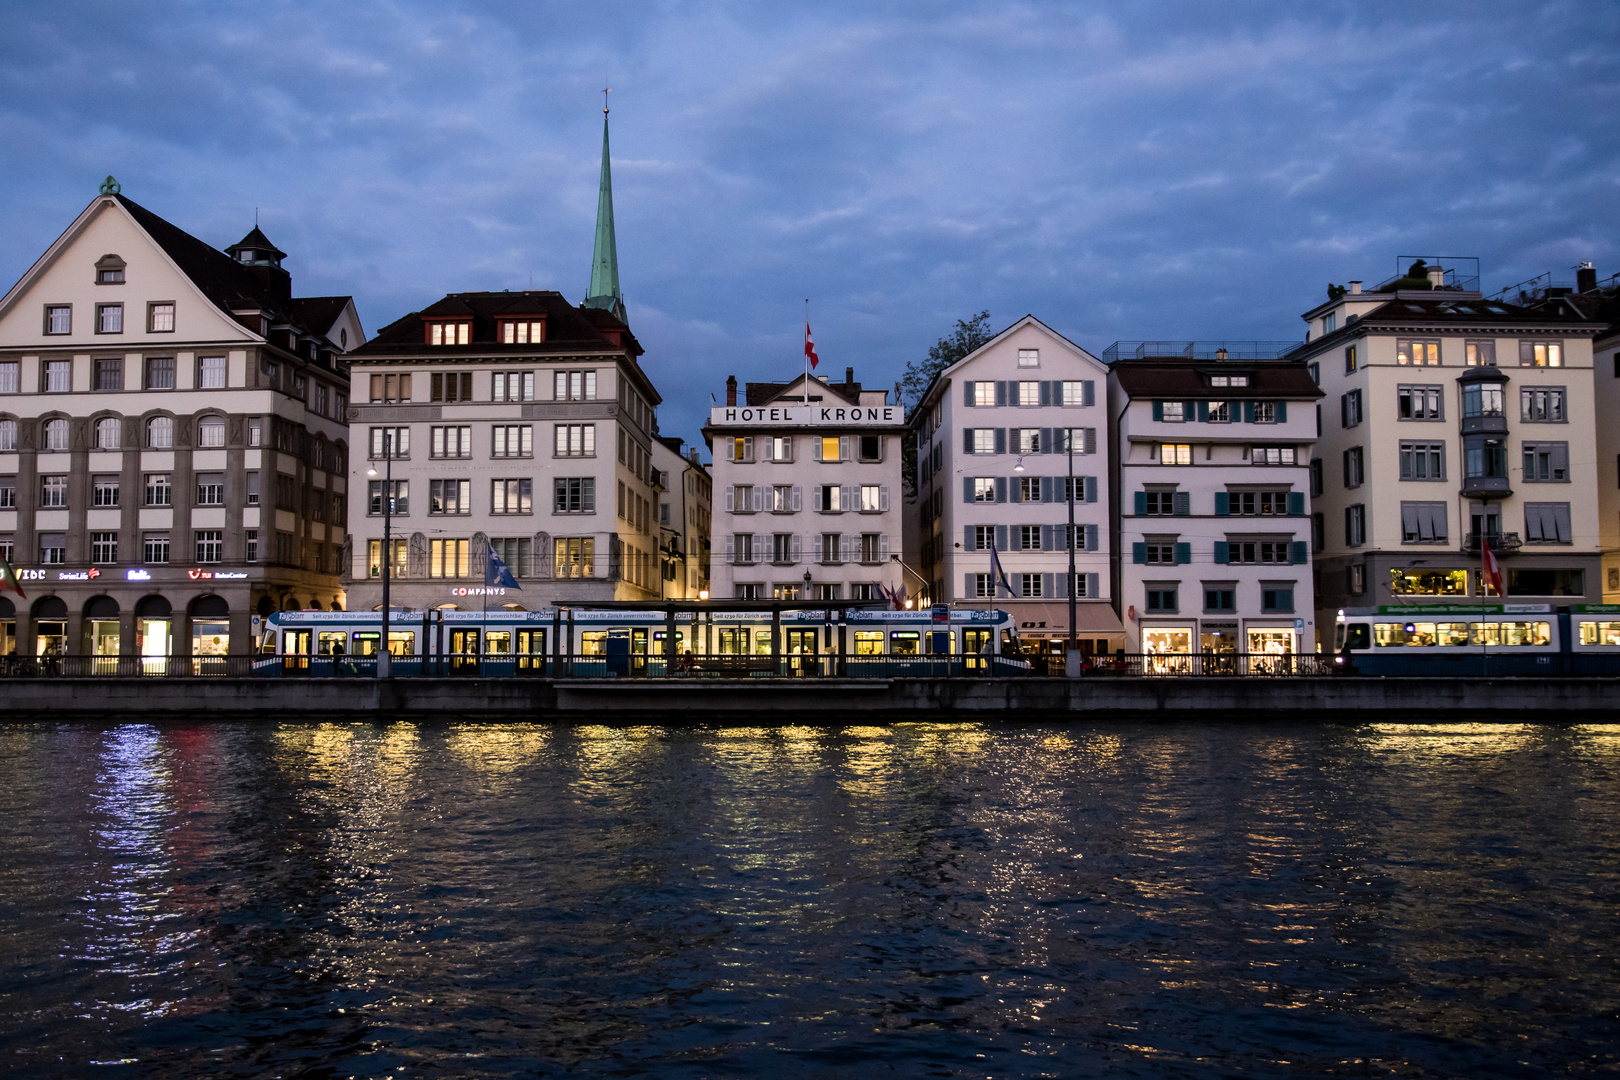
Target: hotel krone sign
(807, 416)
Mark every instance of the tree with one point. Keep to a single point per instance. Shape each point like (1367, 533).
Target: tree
(970, 334)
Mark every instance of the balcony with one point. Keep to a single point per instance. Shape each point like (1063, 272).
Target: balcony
(1501, 543)
(1200, 350)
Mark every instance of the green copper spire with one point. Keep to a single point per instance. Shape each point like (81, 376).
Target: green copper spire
(604, 291)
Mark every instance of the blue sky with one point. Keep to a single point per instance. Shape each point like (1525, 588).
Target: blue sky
(1121, 170)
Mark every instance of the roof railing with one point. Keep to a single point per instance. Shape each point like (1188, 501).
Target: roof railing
(1461, 272)
(1199, 350)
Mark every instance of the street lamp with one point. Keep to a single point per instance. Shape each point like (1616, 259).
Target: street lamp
(807, 584)
(384, 657)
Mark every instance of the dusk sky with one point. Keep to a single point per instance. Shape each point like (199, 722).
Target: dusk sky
(1120, 171)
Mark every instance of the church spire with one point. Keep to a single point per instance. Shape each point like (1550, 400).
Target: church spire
(604, 291)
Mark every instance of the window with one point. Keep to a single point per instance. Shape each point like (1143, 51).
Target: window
(8, 434)
(742, 448)
(575, 495)
(984, 489)
(53, 491)
(1028, 440)
(58, 376)
(1314, 369)
(286, 492)
(871, 448)
(210, 546)
(1029, 489)
(56, 434)
(250, 544)
(1484, 457)
(1029, 585)
(59, 318)
(1029, 392)
(512, 496)
(10, 383)
(1161, 598)
(1410, 352)
(832, 549)
(531, 332)
(449, 496)
(779, 447)
(783, 548)
(1546, 463)
(980, 440)
(210, 489)
(781, 498)
(104, 491)
(1350, 409)
(1355, 525)
(1419, 402)
(108, 433)
(211, 372)
(394, 442)
(1259, 552)
(1220, 597)
(516, 552)
(1072, 392)
(1330, 322)
(831, 450)
(53, 548)
(1265, 412)
(160, 432)
(874, 548)
(448, 333)
(1355, 579)
(103, 547)
(742, 548)
(512, 385)
(253, 491)
(211, 431)
(1159, 503)
(160, 318)
(158, 491)
(1278, 598)
(984, 394)
(155, 548)
(450, 442)
(1159, 552)
(388, 388)
(1482, 399)
(1546, 523)
(1423, 461)
(399, 501)
(450, 386)
(109, 375)
(1257, 503)
(1316, 477)
(1541, 354)
(1175, 453)
(1029, 358)
(110, 270)
(1220, 412)
(1272, 455)
(512, 441)
(1173, 412)
(1423, 523)
(574, 385)
(160, 373)
(1354, 470)
(1542, 404)
(1349, 359)
(109, 318)
(576, 440)
(982, 586)
(448, 558)
(1479, 353)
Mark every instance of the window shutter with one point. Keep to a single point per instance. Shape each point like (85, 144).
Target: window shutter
(1139, 552)
(1296, 503)
(968, 587)
(815, 445)
(967, 538)
(1561, 520)
(1203, 411)
(1344, 410)
(883, 547)
(1189, 409)
(1223, 504)
(1248, 412)
(967, 490)
(1182, 503)
(798, 496)
(1046, 584)
(1001, 489)
(1091, 586)
(1300, 554)
(815, 548)
(1061, 591)
(1183, 554)
(883, 498)
(967, 394)
(798, 551)
(1048, 437)
(1001, 393)
(731, 497)
(1048, 485)
(1158, 410)
(849, 497)
(1091, 489)
(1560, 461)
(1015, 491)
(759, 498)
(1282, 412)
(748, 448)
(1141, 503)
(1091, 542)
(1223, 551)
(1088, 393)
(1091, 437)
(843, 448)
(1001, 538)
(1001, 440)
(1046, 538)
(731, 548)
(1046, 392)
(967, 443)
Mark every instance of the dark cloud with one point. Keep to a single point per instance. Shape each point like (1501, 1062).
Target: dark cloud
(1129, 170)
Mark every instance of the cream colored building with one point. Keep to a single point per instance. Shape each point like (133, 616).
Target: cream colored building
(1451, 420)
(685, 502)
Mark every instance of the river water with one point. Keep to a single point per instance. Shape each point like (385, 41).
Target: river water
(446, 900)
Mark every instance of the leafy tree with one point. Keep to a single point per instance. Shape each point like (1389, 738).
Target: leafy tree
(969, 335)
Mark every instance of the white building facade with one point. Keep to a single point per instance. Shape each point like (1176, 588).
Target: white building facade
(1213, 509)
(995, 433)
(807, 492)
(685, 500)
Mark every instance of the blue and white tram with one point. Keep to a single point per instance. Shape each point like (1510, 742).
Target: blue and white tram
(616, 643)
(1501, 639)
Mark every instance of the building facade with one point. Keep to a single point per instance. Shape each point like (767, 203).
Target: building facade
(1451, 421)
(685, 501)
(173, 452)
(994, 435)
(807, 481)
(1212, 507)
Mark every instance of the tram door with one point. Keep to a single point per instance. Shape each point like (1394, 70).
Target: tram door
(531, 650)
(802, 650)
(464, 650)
(939, 642)
(976, 649)
(295, 650)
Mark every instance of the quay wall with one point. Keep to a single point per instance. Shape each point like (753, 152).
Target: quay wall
(752, 701)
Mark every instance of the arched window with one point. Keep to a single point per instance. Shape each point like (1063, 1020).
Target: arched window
(56, 434)
(108, 430)
(211, 431)
(160, 432)
(8, 434)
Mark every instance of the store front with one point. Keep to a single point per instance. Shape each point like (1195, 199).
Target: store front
(1167, 649)
(210, 634)
(153, 632)
(1268, 646)
(8, 627)
(101, 619)
(50, 626)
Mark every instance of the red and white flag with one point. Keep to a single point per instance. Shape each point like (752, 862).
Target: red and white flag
(810, 346)
(1493, 569)
(8, 579)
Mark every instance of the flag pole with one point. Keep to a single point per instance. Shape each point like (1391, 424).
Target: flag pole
(807, 353)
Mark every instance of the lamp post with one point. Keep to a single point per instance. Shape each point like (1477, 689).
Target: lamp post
(383, 655)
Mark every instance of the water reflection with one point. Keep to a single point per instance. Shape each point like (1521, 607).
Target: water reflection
(357, 899)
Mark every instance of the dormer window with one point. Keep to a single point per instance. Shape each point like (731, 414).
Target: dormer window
(247, 255)
(449, 333)
(109, 270)
(523, 333)
(1229, 380)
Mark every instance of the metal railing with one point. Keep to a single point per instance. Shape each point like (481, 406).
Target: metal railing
(1214, 665)
(127, 667)
(1200, 350)
(1500, 542)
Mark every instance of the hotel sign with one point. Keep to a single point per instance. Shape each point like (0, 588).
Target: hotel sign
(808, 416)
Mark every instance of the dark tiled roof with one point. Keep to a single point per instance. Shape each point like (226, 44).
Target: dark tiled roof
(317, 313)
(763, 393)
(568, 328)
(257, 241)
(1439, 311)
(1177, 378)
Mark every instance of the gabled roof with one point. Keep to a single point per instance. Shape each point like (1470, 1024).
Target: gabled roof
(939, 380)
(1177, 378)
(317, 313)
(568, 328)
(221, 278)
(763, 393)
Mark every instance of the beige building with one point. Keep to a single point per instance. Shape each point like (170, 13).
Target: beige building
(1450, 421)
(685, 502)
(173, 452)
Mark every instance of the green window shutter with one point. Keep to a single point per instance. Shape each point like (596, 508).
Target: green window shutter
(967, 489)
(1282, 412)
(1181, 502)
(1296, 503)
(1300, 554)
(1183, 554)
(1248, 412)
(1203, 411)
(1189, 409)
(1223, 504)
(1001, 489)
(1158, 410)
(1139, 552)
(1223, 551)
(1141, 504)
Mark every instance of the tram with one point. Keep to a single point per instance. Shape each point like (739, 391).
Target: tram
(583, 643)
(1502, 639)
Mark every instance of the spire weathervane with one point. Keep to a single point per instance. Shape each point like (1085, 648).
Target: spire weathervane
(606, 90)
(109, 186)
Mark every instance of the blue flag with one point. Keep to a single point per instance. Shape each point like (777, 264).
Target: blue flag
(998, 576)
(496, 573)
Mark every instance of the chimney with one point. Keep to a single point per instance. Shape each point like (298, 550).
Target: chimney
(692, 455)
(1585, 278)
(1220, 354)
(849, 373)
(1355, 288)
(1437, 277)
(731, 389)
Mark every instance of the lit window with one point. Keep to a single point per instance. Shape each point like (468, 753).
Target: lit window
(1175, 453)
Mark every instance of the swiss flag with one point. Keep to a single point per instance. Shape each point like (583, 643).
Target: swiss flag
(810, 346)
(1493, 569)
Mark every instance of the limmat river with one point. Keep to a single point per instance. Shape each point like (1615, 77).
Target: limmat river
(479, 900)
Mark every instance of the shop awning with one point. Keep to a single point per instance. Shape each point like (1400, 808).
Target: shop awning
(1091, 619)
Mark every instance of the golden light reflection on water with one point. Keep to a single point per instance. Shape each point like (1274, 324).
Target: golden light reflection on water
(497, 750)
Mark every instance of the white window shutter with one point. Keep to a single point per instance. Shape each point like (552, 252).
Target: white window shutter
(883, 547)
(731, 497)
(748, 448)
(798, 495)
(731, 548)
(883, 497)
(816, 448)
(849, 497)
(816, 498)
(787, 448)
(798, 550)
(843, 448)
(815, 547)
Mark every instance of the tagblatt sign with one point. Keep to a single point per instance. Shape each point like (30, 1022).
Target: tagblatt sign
(807, 416)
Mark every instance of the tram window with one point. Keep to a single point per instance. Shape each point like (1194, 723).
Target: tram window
(331, 641)
(1420, 633)
(1526, 633)
(1389, 633)
(1485, 633)
(498, 643)
(1356, 636)
(593, 643)
(868, 643)
(1600, 633)
(733, 641)
(365, 642)
(1452, 633)
(401, 643)
(904, 642)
